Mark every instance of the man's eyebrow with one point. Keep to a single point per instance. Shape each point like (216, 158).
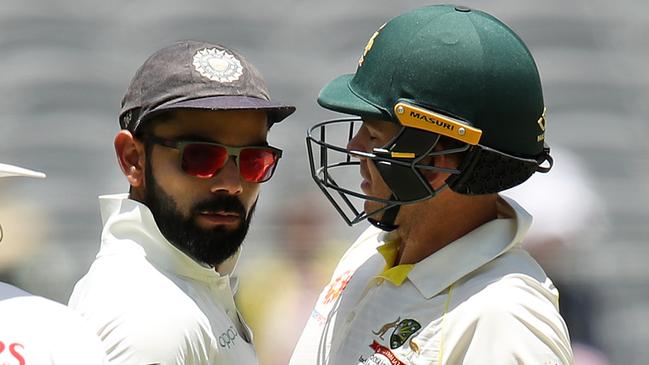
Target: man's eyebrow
(199, 138)
(192, 137)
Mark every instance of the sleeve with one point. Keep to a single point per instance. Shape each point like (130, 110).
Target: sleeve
(76, 344)
(512, 326)
(50, 333)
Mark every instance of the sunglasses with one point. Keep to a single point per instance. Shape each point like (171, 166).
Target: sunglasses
(205, 159)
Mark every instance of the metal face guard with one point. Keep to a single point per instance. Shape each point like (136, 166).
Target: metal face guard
(335, 169)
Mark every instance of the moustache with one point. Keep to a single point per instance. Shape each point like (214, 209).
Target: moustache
(223, 203)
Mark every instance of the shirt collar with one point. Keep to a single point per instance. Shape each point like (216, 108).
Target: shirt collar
(394, 274)
(459, 258)
(129, 225)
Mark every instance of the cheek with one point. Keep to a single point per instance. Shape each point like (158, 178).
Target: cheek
(379, 186)
(174, 183)
(164, 165)
(249, 195)
(374, 172)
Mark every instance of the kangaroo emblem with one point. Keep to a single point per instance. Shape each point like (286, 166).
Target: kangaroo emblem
(386, 327)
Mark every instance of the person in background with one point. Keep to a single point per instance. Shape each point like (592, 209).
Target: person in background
(277, 300)
(36, 330)
(567, 222)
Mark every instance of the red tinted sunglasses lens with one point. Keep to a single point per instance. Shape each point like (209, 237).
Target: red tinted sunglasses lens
(203, 160)
(257, 164)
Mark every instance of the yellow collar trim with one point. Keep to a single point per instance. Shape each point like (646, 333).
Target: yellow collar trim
(394, 274)
(398, 274)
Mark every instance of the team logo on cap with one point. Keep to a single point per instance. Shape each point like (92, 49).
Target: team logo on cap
(217, 65)
(542, 123)
(369, 45)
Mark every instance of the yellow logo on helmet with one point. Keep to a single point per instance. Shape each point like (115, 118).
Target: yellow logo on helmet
(542, 123)
(369, 45)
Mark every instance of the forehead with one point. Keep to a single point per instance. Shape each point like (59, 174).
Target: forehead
(232, 127)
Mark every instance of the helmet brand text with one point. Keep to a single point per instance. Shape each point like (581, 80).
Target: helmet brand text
(431, 120)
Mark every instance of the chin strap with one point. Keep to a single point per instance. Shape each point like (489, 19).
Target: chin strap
(387, 220)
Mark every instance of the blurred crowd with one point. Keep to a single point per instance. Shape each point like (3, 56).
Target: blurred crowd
(66, 64)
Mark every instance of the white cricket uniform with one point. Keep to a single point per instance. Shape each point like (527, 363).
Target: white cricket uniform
(38, 331)
(152, 304)
(479, 300)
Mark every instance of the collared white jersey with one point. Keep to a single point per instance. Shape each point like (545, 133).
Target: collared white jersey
(479, 300)
(152, 304)
(38, 331)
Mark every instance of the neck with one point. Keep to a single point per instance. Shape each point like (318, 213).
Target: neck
(429, 226)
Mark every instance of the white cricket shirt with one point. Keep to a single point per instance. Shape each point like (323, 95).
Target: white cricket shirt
(481, 300)
(152, 304)
(38, 331)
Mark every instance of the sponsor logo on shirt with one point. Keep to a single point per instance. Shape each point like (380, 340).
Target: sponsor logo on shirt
(228, 337)
(318, 317)
(337, 286)
(11, 353)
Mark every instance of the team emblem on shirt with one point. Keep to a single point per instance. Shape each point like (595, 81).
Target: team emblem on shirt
(386, 327)
(403, 330)
(217, 65)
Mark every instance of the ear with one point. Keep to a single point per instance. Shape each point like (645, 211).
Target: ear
(131, 157)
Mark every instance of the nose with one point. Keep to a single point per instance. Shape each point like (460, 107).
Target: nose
(228, 179)
(359, 141)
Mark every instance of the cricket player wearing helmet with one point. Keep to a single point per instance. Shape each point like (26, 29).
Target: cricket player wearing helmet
(35, 330)
(194, 149)
(449, 112)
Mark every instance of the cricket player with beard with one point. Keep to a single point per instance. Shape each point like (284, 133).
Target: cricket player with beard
(193, 147)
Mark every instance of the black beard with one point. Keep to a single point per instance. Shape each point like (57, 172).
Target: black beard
(209, 246)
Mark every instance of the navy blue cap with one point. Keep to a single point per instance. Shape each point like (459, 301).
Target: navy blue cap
(196, 75)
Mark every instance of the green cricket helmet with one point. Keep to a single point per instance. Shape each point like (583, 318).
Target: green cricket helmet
(437, 71)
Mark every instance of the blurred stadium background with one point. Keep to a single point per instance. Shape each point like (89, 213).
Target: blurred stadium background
(65, 64)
